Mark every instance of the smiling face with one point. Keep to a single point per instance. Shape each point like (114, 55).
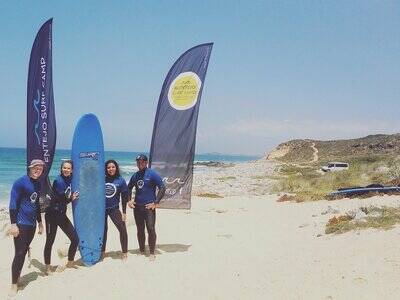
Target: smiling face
(111, 169)
(36, 171)
(141, 164)
(66, 169)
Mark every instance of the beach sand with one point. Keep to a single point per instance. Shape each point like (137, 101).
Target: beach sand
(242, 246)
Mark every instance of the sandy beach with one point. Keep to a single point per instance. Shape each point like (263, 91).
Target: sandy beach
(245, 245)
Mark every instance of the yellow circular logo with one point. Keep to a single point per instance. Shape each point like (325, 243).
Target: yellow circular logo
(184, 90)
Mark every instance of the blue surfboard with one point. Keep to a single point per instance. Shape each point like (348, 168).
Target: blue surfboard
(88, 179)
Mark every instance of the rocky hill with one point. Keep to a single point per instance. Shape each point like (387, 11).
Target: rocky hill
(300, 151)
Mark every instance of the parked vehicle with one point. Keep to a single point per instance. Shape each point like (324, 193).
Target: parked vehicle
(335, 166)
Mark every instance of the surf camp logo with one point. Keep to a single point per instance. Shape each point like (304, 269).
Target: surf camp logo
(36, 107)
(40, 106)
(68, 192)
(111, 190)
(33, 197)
(184, 91)
(90, 155)
(173, 185)
(140, 183)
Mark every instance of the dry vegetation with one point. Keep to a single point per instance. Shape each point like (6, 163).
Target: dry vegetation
(376, 217)
(308, 183)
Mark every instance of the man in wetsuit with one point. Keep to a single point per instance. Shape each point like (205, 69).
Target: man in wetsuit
(24, 213)
(145, 181)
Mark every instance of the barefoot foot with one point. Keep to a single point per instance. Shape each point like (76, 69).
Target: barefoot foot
(49, 270)
(13, 291)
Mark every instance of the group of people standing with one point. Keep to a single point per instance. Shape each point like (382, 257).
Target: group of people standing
(25, 210)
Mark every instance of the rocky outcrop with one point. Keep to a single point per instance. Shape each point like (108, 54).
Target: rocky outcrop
(302, 150)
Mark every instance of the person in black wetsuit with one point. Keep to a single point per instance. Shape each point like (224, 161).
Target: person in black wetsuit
(145, 182)
(56, 216)
(116, 189)
(24, 213)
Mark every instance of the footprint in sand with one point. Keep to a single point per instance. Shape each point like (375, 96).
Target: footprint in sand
(62, 252)
(227, 236)
(360, 280)
(219, 211)
(304, 225)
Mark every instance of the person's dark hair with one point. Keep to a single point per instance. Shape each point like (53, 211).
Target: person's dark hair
(67, 161)
(116, 167)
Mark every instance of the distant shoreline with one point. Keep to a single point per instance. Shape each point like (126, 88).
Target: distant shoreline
(257, 156)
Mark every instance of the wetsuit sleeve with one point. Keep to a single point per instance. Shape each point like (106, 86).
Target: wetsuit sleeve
(124, 195)
(160, 194)
(13, 216)
(161, 187)
(131, 185)
(14, 201)
(38, 214)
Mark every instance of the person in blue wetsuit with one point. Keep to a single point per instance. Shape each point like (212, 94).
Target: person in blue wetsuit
(145, 181)
(24, 213)
(56, 216)
(116, 189)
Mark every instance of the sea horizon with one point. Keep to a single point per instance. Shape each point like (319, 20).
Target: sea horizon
(13, 164)
(216, 153)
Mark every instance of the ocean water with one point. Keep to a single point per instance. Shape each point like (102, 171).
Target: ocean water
(13, 165)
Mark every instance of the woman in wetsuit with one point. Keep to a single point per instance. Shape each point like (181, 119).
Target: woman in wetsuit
(56, 216)
(116, 189)
(24, 213)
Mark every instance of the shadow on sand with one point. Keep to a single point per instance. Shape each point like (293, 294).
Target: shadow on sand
(26, 279)
(160, 249)
(171, 248)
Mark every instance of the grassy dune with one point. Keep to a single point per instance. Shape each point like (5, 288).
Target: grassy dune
(307, 183)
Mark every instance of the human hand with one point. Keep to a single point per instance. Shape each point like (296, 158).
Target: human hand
(75, 196)
(151, 206)
(14, 230)
(40, 228)
(131, 204)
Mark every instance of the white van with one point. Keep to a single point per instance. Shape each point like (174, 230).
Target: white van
(335, 166)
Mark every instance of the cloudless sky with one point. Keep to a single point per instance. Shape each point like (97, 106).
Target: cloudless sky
(279, 70)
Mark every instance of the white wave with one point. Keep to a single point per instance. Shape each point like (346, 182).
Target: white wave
(128, 169)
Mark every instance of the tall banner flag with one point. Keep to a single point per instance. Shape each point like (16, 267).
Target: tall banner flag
(174, 133)
(41, 122)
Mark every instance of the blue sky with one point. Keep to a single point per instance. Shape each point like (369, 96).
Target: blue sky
(279, 70)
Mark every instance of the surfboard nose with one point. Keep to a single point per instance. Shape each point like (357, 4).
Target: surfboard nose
(88, 129)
